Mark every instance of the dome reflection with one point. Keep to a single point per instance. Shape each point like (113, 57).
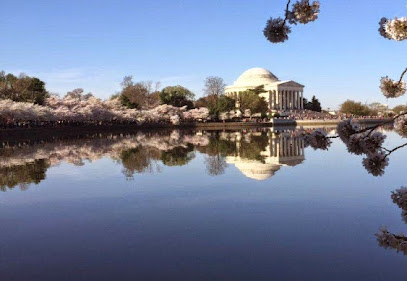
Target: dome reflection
(284, 148)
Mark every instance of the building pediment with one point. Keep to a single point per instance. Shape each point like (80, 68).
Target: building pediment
(289, 84)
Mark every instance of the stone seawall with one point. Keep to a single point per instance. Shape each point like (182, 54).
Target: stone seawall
(55, 132)
(291, 122)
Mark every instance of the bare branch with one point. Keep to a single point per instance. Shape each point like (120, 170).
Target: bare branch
(402, 75)
(395, 149)
(287, 11)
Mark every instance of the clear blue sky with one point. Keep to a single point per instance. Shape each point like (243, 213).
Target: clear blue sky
(93, 44)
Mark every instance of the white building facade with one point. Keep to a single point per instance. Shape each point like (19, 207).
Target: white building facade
(279, 95)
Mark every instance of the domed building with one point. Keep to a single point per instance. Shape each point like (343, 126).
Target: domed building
(279, 95)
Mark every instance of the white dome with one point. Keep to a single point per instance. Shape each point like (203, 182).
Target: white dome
(255, 77)
(253, 169)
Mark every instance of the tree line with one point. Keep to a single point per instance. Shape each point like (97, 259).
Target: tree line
(147, 95)
(374, 109)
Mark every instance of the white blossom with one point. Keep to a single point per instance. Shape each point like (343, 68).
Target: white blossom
(304, 12)
(317, 140)
(276, 30)
(382, 28)
(400, 125)
(346, 129)
(399, 197)
(175, 120)
(93, 110)
(201, 113)
(391, 88)
(224, 116)
(354, 144)
(390, 240)
(371, 142)
(395, 29)
(375, 163)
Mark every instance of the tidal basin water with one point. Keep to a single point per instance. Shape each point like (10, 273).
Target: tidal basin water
(196, 205)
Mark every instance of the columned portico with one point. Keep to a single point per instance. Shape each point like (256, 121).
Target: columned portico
(279, 95)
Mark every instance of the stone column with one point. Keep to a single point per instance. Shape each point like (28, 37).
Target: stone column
(288, 99)
(291, 99)
(299, 100)
(296, 99)
(275, 99)
(280, 100)
(302, 100)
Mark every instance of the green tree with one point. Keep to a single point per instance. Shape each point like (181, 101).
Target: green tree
(313, 105)
(225, 104)
(355, 108)
(140, 95)
(253, 102)
(316, 105)
(400, 109)
(177, 96)
(257, 90)
(216, 105)
(22, 88)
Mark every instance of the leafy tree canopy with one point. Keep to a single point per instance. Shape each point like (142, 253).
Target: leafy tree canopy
(140, 95)
(22, 88)
(177, 96)
(253, 102)
(257, 90)
(178, 156)
(400, 109)
(215, 104)
(313, 105)
(355, 108)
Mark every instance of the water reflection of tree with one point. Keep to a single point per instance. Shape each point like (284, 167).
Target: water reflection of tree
(387, 239)
(215, 165)
(216, 145)
(251, 149)
(139, 160)
(137, 153)
(178, 156)
(216, 150)
(23, 175)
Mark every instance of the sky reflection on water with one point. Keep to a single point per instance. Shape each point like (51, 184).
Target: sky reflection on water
(196, 206)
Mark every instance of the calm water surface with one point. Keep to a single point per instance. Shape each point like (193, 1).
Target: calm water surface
(246, 205)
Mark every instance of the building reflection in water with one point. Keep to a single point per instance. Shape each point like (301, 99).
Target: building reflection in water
(284, 148)
(257, 153)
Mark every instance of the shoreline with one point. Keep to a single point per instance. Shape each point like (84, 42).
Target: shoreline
(54, 133)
